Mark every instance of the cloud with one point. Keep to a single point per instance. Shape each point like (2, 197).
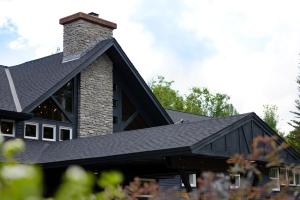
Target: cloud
(246, 49)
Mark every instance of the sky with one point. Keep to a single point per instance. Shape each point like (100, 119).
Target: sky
(247, 49)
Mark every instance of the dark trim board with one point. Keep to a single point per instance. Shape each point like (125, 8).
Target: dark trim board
(4, 114)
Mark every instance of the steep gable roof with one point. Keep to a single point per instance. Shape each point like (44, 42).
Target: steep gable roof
(36, 80)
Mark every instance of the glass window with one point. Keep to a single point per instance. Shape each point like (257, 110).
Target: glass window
(192, 180)
(291, 177)
(297, 177)
(115, 103)
(283, 176)
(235, 180)
(49, 132)
(31, 130)
(274, 176)
(49, 110)
(115, 119)
(65, 97)
(65, 133)
(7, 127)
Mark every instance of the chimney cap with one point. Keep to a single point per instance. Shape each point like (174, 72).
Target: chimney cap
(91, 17)
(94, 14)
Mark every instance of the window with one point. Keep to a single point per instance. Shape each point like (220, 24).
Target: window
(291, 177)
(7, 127)
(283, 176)
(65, 133)
(115, 103)
(49, 110)
(192, 180)
(49, 132)
(274, 176)
(31, 130)
(65, 96)
(115, 119)
(235, 180)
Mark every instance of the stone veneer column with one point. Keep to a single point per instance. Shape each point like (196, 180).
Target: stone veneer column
(95, 99)
(95, 110)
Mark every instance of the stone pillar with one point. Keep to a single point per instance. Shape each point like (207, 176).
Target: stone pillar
(81, 33)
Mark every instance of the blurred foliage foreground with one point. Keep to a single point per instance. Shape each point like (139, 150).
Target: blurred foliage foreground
(25, 182)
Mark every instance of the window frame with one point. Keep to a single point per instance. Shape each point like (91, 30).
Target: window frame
(277, 179)
(234, 186)
(285, 175)
(294, 176)
(65, 128)
(37, 130)
(14, 127)
(54, 132)
(192, 180)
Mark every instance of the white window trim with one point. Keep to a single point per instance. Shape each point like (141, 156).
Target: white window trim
(37, 130)
(277, 179)
(193, 181)
(297, 172)
(65, 128)
(294, 177)
(54, 132)
(238, 176)
(14, 127)
(286, 176)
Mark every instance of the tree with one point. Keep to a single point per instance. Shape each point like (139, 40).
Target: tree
(199, 101)
(168, 97)
(293, 137)
(270, 116)
(202, 101)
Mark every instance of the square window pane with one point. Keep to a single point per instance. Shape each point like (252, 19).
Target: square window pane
(7, 128)
(65, 134)
(48, 132)
(273, 173)
(31, 130)
(297, 179)
(283, 178)
(291, 177)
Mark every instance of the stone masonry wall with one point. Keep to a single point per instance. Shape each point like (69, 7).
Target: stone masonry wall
(80, 36)
(95, 98)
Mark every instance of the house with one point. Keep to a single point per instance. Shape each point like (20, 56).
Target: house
(89, 106)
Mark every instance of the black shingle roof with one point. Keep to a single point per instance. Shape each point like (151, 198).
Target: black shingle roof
(35, 78)
(178, 116)
(6, 99)
(162, 138)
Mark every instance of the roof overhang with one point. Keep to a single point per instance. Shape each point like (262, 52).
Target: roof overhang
(4, 114)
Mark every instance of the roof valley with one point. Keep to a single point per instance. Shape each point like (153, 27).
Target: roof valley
(13, 90)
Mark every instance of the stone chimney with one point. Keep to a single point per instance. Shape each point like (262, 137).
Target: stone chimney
(82, 32)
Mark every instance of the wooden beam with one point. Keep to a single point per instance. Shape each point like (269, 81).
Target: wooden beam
(129, 120)
(71, 119)
(244, 136)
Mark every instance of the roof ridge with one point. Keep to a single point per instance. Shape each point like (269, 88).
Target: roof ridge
(186, 112)
(35, 60)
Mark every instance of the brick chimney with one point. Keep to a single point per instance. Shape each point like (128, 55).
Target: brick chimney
(82, 32)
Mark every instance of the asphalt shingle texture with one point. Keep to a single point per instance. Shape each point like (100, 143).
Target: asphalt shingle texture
(127, 142)
(177, 116)
(6, 99)
(35, 78)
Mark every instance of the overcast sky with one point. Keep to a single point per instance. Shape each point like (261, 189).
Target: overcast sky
(246, 49)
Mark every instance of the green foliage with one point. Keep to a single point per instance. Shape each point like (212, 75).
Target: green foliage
(202, 101)
(168, 97)
(270, 116)
(293, 137)
(199, 101)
